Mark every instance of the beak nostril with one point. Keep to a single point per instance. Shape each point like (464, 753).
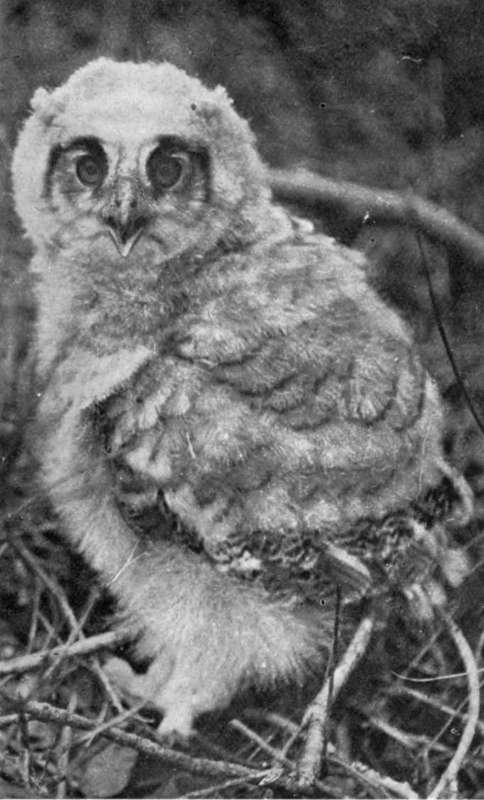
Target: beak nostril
(125, 231)
(125, 227)
(133, 203)
(139, 223)
(117, 202)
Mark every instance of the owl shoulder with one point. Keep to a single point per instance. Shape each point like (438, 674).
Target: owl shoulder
(299, 330)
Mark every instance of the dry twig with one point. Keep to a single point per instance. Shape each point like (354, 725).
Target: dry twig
(380, 205)
(433, 702)
(63, 748)
(254, 737)
(16, 666)
(448, 780)
(316, 713)
(88, 738)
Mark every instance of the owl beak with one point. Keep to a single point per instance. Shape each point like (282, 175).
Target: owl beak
(125, 233)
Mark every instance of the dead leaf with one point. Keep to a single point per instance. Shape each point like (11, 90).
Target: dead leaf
(108, 772)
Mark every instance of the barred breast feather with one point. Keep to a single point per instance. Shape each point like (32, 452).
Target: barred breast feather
(280, 413)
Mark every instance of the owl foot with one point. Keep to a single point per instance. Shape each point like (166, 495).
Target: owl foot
(176, 726)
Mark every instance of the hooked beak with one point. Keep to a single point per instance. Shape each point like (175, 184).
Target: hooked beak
(125, 233)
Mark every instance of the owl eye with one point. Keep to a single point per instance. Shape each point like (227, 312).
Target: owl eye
(166, 169)
(89, 170)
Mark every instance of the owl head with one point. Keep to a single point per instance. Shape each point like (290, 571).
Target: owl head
(125, 158)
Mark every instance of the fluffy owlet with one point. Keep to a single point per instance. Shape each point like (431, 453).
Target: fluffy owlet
(231, 420)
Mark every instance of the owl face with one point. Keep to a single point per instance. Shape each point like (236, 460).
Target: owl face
(127, 160)
(152, 191)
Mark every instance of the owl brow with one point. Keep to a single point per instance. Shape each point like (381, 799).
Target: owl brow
(87, 143)
(178, 143)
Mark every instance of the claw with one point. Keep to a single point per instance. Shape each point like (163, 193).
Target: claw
(176, 727)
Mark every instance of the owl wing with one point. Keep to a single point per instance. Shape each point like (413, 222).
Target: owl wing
(292, 400)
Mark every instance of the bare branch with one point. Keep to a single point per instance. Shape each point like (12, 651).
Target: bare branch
(261, 743)
(380, 205)
(48, 580)
(63, 750)
(317, 712)
(448, 780)
(436, 703)
(16, 666)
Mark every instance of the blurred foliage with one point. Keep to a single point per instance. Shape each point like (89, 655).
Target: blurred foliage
(349, 87)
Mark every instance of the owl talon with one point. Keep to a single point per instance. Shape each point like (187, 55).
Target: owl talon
(176, 727)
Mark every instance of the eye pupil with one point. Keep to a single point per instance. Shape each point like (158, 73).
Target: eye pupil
(89, 171)
(164, 170)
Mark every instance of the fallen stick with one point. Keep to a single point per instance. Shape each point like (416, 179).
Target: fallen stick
(16, 666)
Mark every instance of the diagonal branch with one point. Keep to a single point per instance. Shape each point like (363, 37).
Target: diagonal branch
(448, 780)
(316, 713)
(380, 205)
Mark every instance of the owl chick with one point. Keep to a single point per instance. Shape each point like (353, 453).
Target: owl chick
(213, 366)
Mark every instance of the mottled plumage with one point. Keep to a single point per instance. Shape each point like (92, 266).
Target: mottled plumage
(228, 409)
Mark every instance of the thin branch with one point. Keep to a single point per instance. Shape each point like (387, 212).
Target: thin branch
(63, 750)
(16, 666)
(461, 383)
(316, 713)
(361, 772)
(418, 744)
(88, 738)
(216, 750)
(380, 206)
(421, 697)
(261, 743)
(448, 779)
(47, 580)
(110, 690)
(35, 615)
(449, 676)
(279, 758)
(409, 741)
